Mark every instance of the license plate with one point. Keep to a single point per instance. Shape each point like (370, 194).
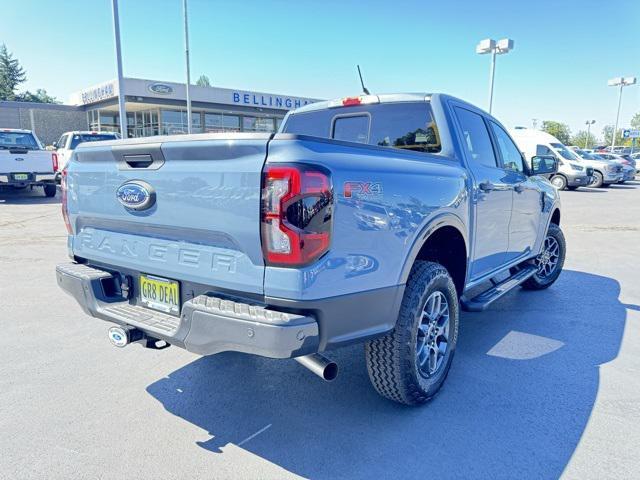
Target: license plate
(21, 176)
(160, 294)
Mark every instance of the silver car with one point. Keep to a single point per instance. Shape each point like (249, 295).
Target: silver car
(628, 168)
(605, 172)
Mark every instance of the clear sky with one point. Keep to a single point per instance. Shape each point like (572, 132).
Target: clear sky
(565, 51)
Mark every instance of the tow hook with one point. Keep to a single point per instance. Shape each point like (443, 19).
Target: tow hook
(122, 335)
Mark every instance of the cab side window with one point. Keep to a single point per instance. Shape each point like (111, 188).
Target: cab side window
(543, 150)
(511, 156)
(476, 138)
(62, 141)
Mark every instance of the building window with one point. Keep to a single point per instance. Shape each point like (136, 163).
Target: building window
(175, 122)
(219, 122)
(258, 124)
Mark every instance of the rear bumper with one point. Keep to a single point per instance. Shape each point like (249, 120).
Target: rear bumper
(207, 324)
(8, 179)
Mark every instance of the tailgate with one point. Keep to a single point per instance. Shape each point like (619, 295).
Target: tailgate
(203, 225)
(22, 160)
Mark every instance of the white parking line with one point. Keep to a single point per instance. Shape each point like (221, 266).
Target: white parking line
(250, 437)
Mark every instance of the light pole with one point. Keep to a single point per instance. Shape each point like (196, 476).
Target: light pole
(621, 82)
(186, 55)
(116, 34)
(588, 123)
(500, 47)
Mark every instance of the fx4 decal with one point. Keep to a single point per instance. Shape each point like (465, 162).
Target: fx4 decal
(362, 189)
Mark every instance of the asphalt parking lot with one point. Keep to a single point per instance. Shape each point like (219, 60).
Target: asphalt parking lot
(544, 384)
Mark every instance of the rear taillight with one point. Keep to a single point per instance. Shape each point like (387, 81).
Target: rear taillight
(65, 211)
(297, 211)
(54, 161)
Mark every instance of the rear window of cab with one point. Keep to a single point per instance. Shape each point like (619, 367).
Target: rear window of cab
(403, 125)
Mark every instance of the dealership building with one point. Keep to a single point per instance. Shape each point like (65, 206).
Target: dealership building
(153, 108)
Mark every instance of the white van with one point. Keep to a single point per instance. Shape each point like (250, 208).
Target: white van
(570, 173)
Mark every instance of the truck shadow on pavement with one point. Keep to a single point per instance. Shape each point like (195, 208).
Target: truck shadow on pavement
(27, 197)
(516, 403)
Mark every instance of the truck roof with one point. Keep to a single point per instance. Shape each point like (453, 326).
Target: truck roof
(15, 130)
(531, 134)
(364, 100)
(88, 132)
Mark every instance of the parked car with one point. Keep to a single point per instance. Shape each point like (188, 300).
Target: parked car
(605, 172)
(628, 167)
(571, 173)
(68, 142)
(25, 163)
(290, 260)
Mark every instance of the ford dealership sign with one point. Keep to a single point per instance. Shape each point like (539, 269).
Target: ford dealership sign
(160, 88)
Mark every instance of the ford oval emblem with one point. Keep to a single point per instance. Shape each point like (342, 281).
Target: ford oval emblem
(136, 195)
(160, 88)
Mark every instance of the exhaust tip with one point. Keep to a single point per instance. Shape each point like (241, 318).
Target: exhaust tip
(330, 372)
(320, 365)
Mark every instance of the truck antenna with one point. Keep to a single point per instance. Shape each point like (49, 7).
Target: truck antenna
(364, 89)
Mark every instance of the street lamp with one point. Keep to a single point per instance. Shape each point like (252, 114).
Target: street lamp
(621, 82)
(500, 47)
(588, 123)
(116, 35)
(186, 57)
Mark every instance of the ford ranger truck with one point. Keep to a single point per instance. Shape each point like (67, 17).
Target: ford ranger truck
(24, 163)
(368, 219)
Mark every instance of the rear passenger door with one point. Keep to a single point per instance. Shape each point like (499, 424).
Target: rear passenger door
(492, 194)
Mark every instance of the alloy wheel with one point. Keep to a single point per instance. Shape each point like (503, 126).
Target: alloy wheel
(547, 261)
(433, 334)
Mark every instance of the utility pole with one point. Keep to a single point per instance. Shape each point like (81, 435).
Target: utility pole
(622, 82)
(186, 55)
(116, 34)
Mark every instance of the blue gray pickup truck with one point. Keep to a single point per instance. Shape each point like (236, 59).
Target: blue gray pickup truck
(368, 219)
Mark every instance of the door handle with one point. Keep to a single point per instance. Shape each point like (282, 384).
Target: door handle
(518, 188)
(487, 186)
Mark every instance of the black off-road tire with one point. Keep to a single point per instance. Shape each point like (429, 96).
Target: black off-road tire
(538, 282)
(50, 190)
(392, 360)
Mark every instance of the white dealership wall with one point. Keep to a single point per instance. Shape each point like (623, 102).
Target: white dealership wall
(150, 89)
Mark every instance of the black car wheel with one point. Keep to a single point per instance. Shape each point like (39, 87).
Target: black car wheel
(559, 181)
(550, 261)
(410, 363)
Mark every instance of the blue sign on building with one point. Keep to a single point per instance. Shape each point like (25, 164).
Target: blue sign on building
(269, 101)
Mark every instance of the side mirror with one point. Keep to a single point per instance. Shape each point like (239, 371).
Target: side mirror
(544, 165)
(54, 144)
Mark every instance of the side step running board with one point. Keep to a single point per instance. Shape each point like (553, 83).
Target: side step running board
(482, 301)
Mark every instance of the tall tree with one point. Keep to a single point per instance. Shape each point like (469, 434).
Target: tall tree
(607, 132)
(583, 140)
(11, 74)
(203, 81)
(559, 130)
(635, 121)
(41, 96)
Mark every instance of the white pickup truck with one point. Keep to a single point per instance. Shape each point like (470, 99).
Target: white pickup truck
(68, 142)
(24, 163)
